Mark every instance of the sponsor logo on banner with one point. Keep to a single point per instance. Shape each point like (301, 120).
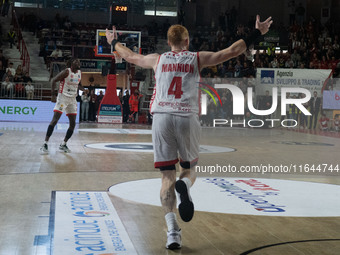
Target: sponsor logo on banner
(267, 76)
(310, 79)
(110, 110)
(248, 196)
(110, 114)
(30, 111)
(331, 100)
(87, 223)
(90, 64)
(11, 110)
(110, 119)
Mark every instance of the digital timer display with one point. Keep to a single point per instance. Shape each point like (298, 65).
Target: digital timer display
(120, 8)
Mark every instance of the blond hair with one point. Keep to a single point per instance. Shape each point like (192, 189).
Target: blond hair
(177, 34)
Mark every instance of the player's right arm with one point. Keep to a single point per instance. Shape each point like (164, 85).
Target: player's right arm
(147, 61)
(207, 58)
(59, 77)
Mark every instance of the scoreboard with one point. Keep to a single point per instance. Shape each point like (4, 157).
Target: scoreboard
(118, 14)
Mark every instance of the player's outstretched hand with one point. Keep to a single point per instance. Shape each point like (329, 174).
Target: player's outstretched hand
(263, 26)
(110, 36)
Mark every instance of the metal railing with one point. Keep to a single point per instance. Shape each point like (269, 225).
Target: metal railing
(24, 55)
(23, 92)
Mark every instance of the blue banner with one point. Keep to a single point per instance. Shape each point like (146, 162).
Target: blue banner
(110, 110)
(331, 99)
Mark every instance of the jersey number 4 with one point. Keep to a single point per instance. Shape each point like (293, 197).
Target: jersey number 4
(176, 87)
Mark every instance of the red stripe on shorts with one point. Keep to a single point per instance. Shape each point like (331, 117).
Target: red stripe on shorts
(166, 163)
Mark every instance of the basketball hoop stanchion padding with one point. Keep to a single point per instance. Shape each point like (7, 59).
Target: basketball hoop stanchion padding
(110, 108)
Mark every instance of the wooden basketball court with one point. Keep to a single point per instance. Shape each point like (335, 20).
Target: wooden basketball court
(28, 179)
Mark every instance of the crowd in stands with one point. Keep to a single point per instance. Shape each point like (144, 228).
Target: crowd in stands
(77, 38)
(310, 45)
(89, 104)
(15, 82)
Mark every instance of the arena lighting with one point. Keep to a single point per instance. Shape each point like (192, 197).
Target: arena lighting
(27, 5)
(160, 13)
(283, 51)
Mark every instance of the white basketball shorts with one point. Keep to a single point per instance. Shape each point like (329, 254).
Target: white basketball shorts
(175, 138)
(66, 104)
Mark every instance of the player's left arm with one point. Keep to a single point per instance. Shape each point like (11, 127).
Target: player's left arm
(147, 61)
(207, 58)
(59, 77)
(80, 87)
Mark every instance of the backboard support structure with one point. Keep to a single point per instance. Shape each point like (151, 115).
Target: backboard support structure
(110, 108)
(130, 39)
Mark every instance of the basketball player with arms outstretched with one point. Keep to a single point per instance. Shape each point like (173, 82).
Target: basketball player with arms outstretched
(65, 102)
(175, 109)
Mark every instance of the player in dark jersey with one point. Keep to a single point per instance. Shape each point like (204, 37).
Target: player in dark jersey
(174, 107)
(65, 102)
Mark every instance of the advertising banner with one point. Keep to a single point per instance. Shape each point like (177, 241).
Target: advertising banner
(87, 223)
(110, 114)
(331, 100)
(111, 110)
(311, 79)
(30, 111)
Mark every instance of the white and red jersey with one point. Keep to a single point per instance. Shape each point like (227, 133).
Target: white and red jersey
(177, 84)
(324, 122)
(69, 86)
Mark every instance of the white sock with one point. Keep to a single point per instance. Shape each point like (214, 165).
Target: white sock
(63, 143)
(187, 181)
(46, 142)
(171, 221)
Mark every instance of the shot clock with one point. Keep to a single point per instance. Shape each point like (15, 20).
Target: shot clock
(118, 14)
(120, 8)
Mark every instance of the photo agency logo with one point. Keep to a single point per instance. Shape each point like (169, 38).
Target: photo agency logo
(204, 98)
(248, 105)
